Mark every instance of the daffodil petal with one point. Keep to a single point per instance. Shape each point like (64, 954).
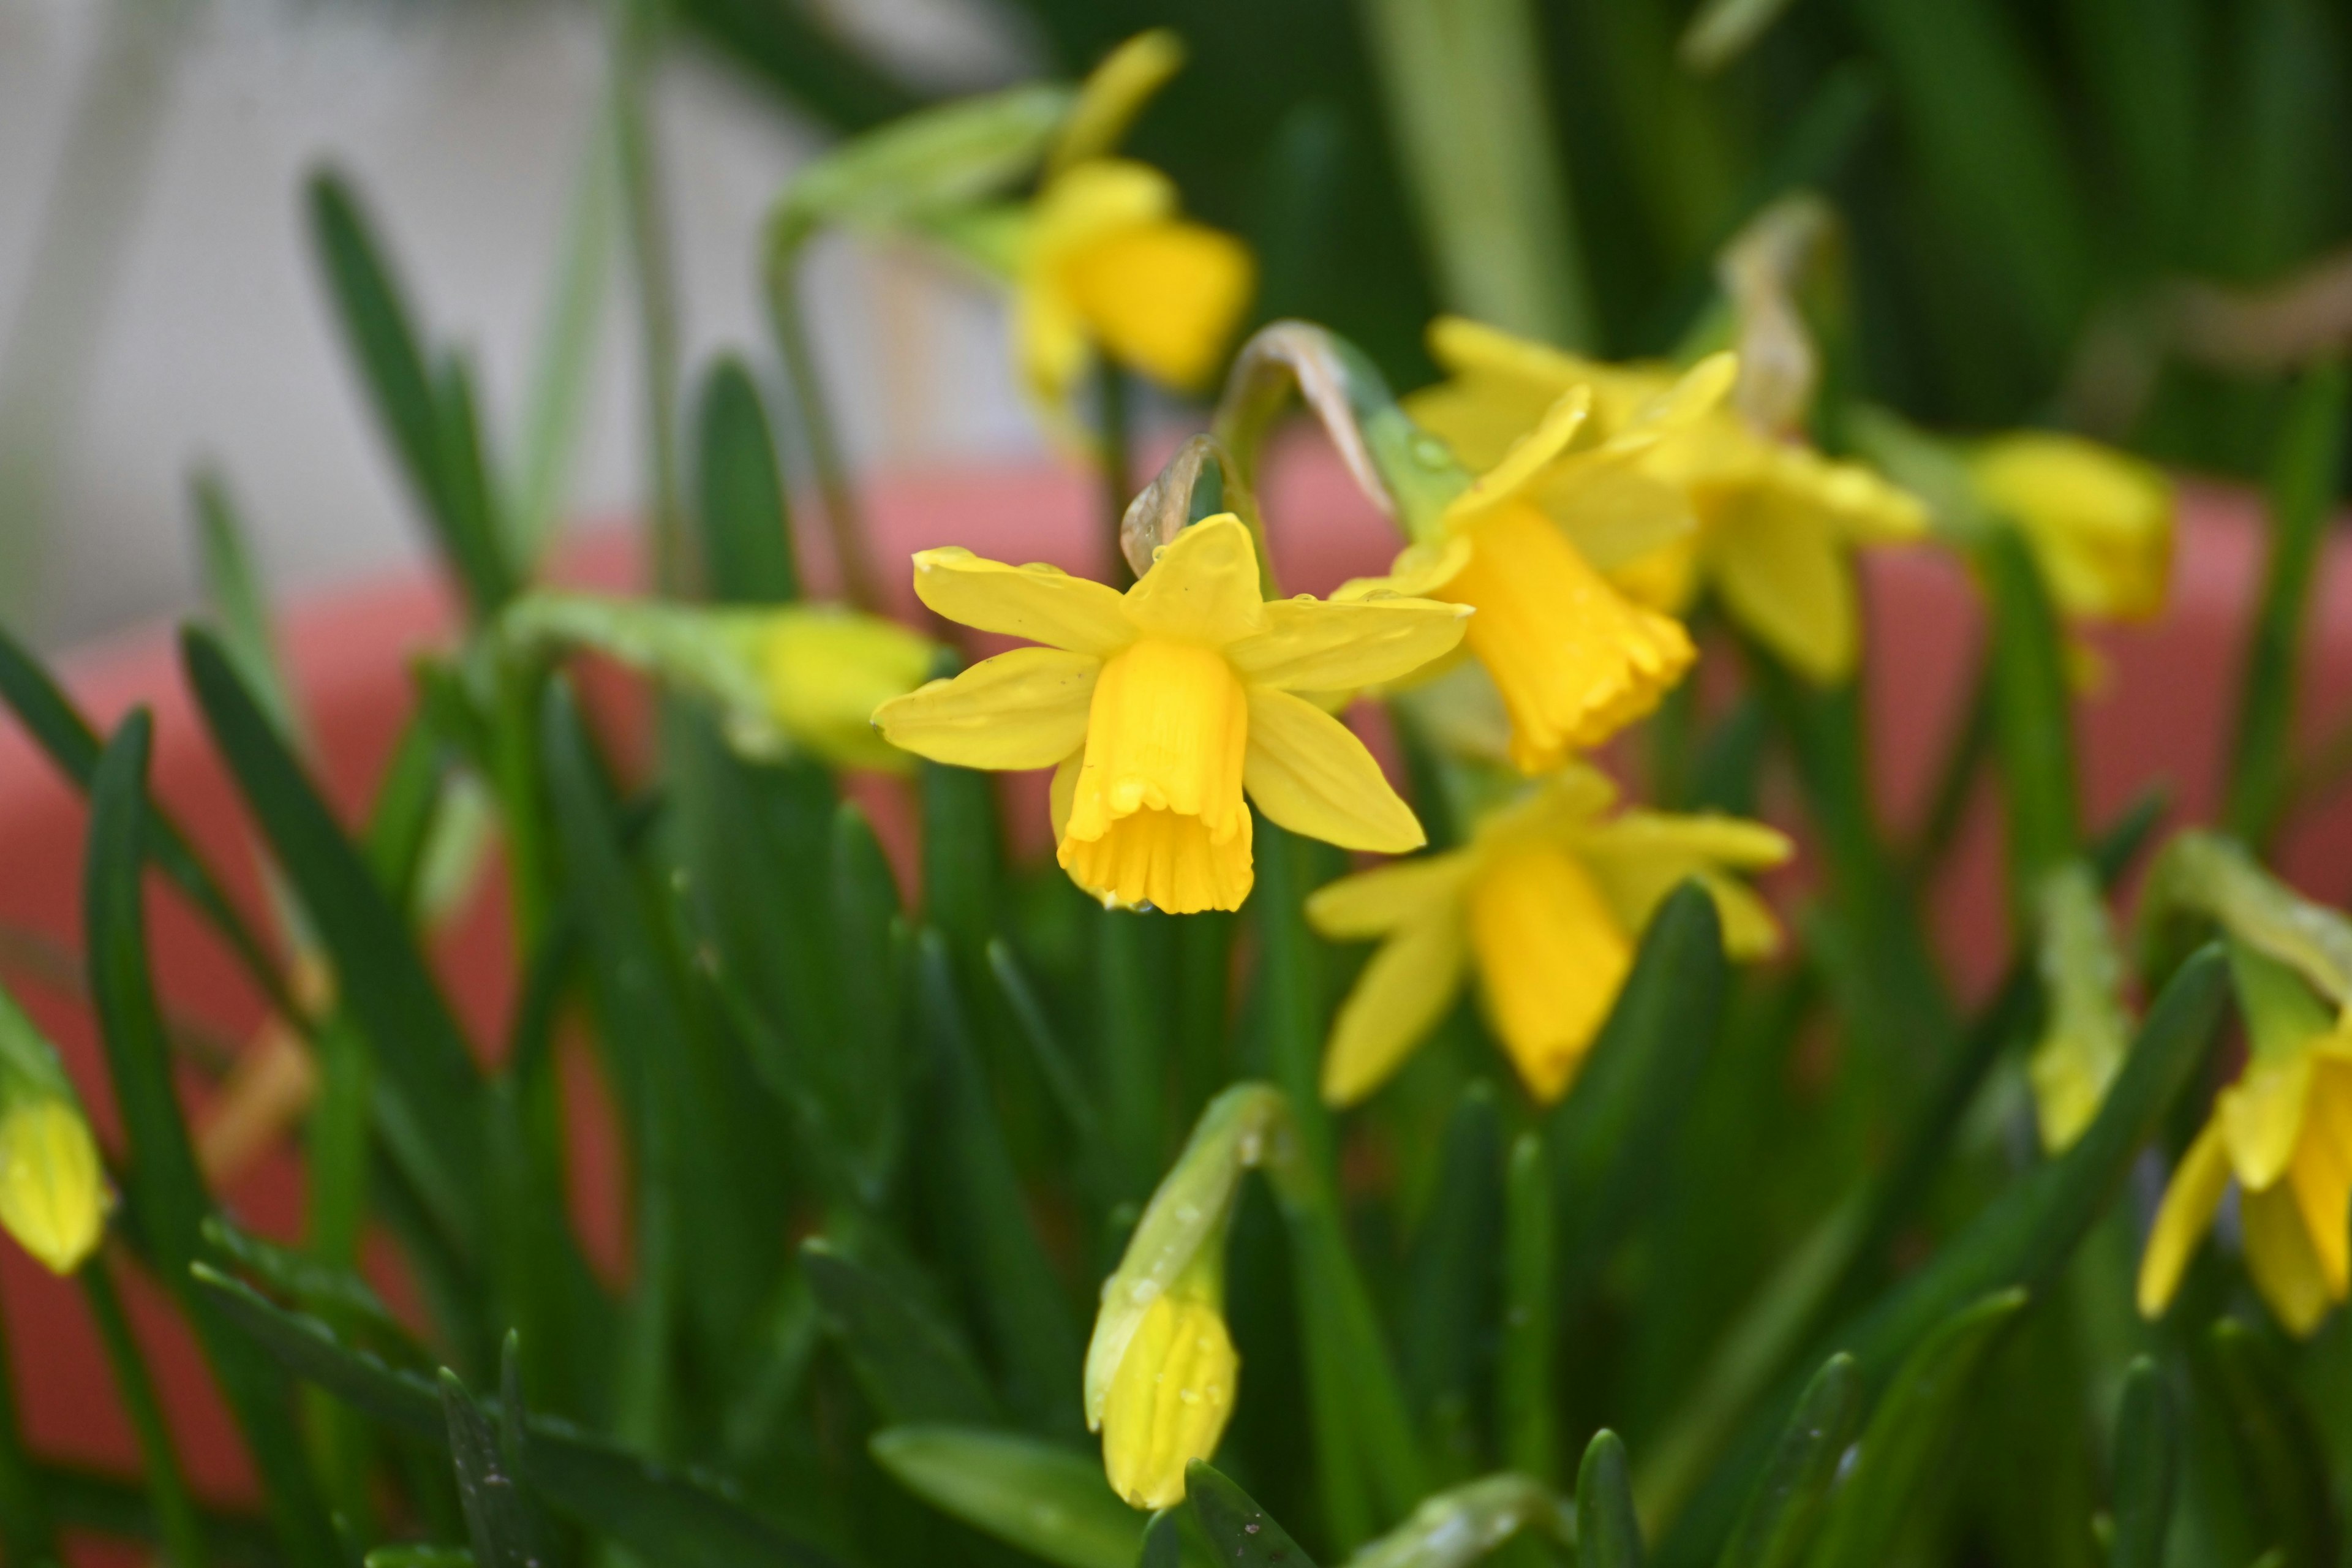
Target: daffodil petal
(1641, 856)
(1733, 841)
(1405, 988)
(1551, 957)
(1524, 464)
(1163, 297)
(1043, 604)
(1311, 644)
(1784, 575)
(1202, 586)
(1308, 772)
(1025, 709)
(1419, 571)
(1372, 903)
(2280, 1257)
(1462, 346)
(2195, 1193)
(1062, 792)
(2262, 1116)
(1480, 415)
(2321, 1181)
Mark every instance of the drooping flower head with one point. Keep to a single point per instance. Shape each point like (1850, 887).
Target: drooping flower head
(2099, 523)
(1770, 524)
(1574, 658)
(1159, 708)
(2283, 1133)
(1547, 902)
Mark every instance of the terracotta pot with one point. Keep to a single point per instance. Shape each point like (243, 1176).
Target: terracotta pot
(2165, 714)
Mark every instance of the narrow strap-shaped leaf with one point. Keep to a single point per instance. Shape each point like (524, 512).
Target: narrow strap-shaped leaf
(27, 1527)
(1523, 1386)
(1049, 1500)
(672, 1517)
(470, 528)
(418, 1557)
(1785, 1508)
(1239, 1531)
(1452, 1285)
(911, 1364)
(1054, 1063)
(2280, 1456)
(429, 1107)
(1914, 1434)
(1610, 1135)
(1608, 1531)
(59, 727)
(1037, 1344)
(747, 529)
(2032, 711)
(2146, 1466)
(233, 589)
(500, 1522)
(168, 1189)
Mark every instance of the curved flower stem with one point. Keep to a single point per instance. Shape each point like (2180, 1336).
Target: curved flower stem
(844, 521)
(635, 44)
(175, 1506)
(1112, 413)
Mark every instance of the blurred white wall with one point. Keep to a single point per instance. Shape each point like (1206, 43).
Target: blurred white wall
(461, 126)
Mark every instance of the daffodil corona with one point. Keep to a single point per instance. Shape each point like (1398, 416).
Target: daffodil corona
(1769, 525)
(2283, 1132)
(1548, 901)
(1160, 708)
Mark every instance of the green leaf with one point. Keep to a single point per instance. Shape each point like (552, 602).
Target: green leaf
(1611, 1133)
(233, 587)
(167, 1190)
(1785, 1509)
(1036, 1344)
(2283, 1463)
(747, 526)
(1608, 1532)
(2305, 477)
(28, 1530)
(910, 1363)
(472, 534)
(1524, 1389)
(1913, 1438)
(1163, 1542)
(2032, 711)
(59, 727)
(1054, 1063)
(1047, 1499)
(499, 1518)
(419, 1557)
(1241, 1532)
(2148, 1467)
(1451, 1279)
(563, 358)
(676, 1519)
(430, 1104)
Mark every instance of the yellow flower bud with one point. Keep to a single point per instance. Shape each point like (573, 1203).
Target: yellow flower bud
(53, 1197)
(826, 672)
(1169, 1398)
(2100, 523)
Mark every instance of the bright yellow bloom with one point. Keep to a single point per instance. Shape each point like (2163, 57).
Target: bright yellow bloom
(1573, 658)
(1159, 708)
(1770, 525)
(2283, 1132)
(52, 1193)
(825, 670)
(1170, 1399)
(2099, 523)
(1548, 899)
(1105, 264)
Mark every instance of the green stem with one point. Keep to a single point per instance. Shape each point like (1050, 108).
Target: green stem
(1524, 1382)
(845, 520)
(176, 1507)
(1954, 787)
(26, 1529)
(336, 1197)
(635, 44)
(1116, 462)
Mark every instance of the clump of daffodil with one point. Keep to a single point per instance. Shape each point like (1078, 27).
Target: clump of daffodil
(2283, 1133)
(1574, 658)
(781, 677)
(1548, 901)
(1160, 1369)
(2099, 523)
(2087, 1031)
(1769, 525)
(1103, 262)
(1159, 708)
(53, 1189)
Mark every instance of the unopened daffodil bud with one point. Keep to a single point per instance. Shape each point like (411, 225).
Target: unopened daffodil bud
(53, 1189)
(1160, 1369)
(791, 677)
(2100, 522)
(2087, 1031)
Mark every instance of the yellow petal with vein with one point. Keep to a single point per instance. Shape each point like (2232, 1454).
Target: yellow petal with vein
(1043, 604)
(1312, 645)
(1202, 586)
(2262, 1116)
(1372, 903)
(1402, 993)
(1784, 575)
(1308, 772)
(1551, 958)
(1161, 297)
(1025, 709)
(2190, 1199)
(2281, 1257)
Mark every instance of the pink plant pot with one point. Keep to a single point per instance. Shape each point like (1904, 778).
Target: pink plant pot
(2166, 713)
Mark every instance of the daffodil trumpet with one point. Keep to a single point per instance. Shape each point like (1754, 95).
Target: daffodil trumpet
(2283, 1134)
(1545, 904)
(782, 679)
(1159, 708)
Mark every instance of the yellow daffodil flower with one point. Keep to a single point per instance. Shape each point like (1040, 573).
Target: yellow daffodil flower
(1574, 658)
(2099, 523)
(1104, 263)
(1548, 899)
(1159, 708)
(1771, 524)
(2283, 1132)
